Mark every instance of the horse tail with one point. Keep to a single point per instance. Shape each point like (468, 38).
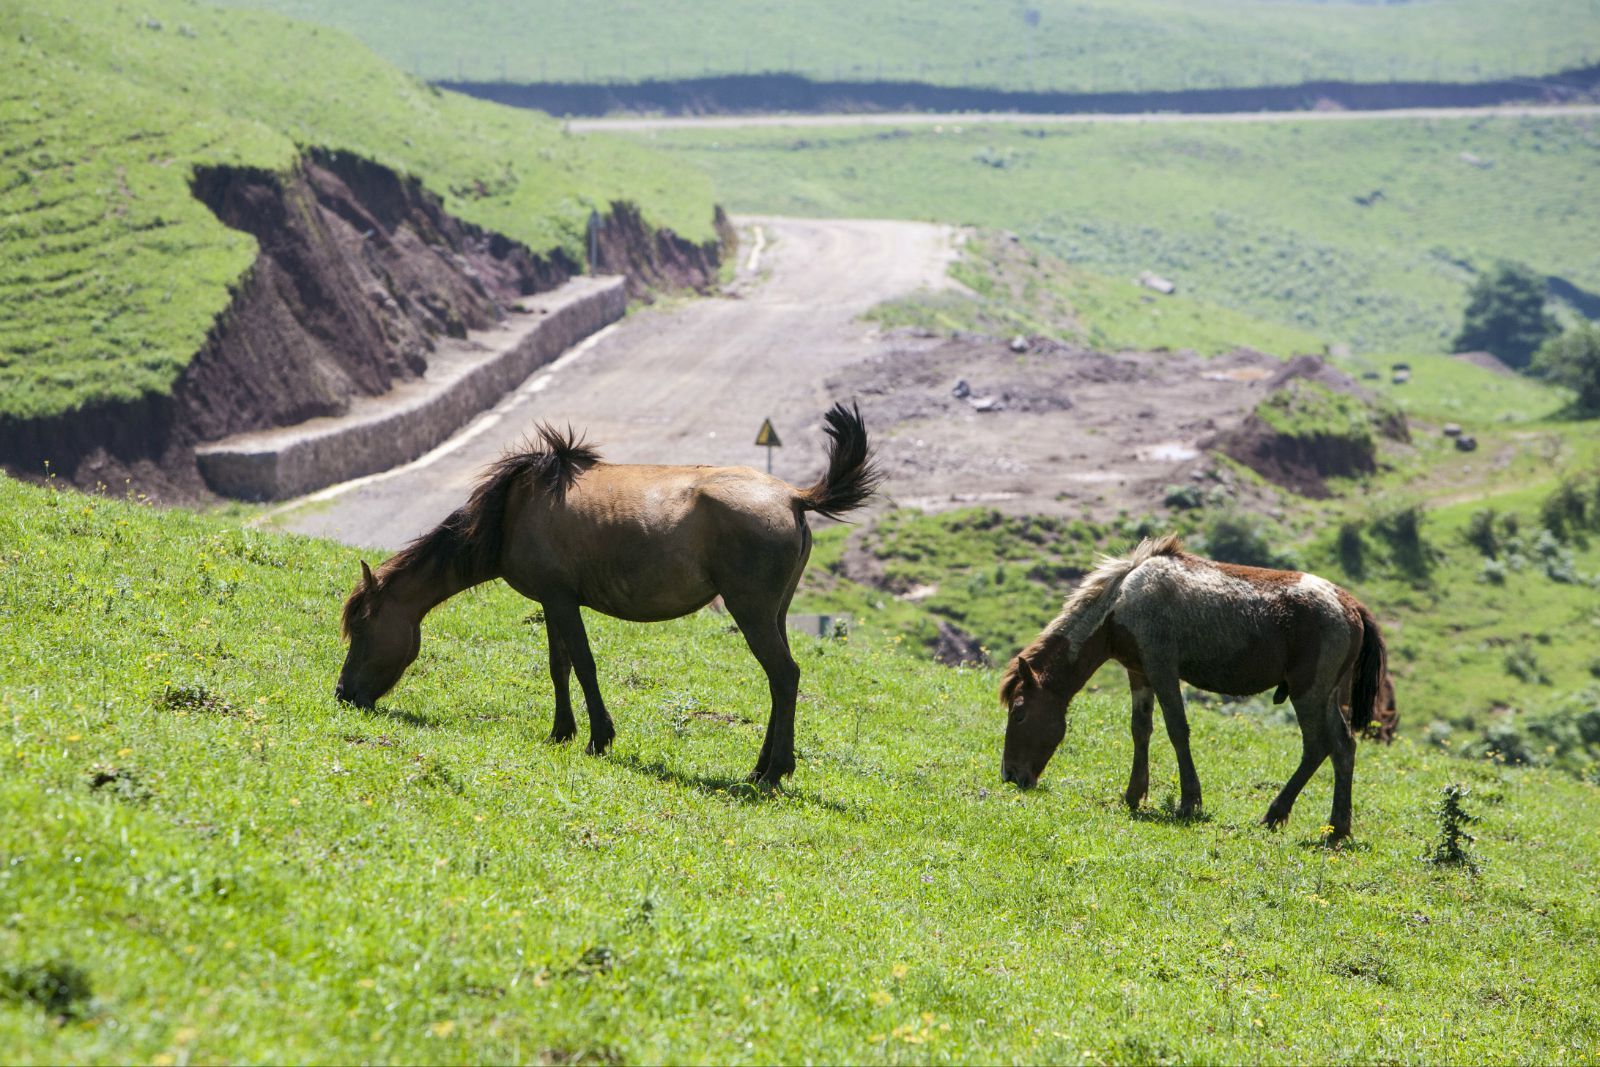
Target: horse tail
(852, 475)
(1371, 667)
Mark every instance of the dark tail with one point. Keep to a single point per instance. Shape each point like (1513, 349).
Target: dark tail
(852, 476)
(1371, 666)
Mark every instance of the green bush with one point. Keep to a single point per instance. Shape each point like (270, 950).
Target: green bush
(1573, 360)
(1506, 315)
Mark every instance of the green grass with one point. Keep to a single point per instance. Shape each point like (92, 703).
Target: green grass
(1261, 219)
(218, 863)
(111, 274)
(1012, 288)
(1093, 45)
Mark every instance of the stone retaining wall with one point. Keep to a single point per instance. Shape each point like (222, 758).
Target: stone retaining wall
(399, 426)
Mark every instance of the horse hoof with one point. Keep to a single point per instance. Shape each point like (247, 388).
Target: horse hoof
(598, 746)
(558, 737)
(1132, 801)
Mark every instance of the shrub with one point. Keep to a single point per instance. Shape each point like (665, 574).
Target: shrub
(1402, 529)
(1522, 663)
(1506, 315)
(1351, 548)
(1565, 511)
(1453, 846)
(1493, 572)
(1236, 538)
(1480, 533)
(1183, 497)
(1573, 360)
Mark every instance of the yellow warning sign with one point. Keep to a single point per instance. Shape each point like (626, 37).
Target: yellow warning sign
(768, 436)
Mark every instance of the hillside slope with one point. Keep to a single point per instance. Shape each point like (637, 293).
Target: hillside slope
(1368, 234)
(1098, 45)
(204, 858)
(112, 273)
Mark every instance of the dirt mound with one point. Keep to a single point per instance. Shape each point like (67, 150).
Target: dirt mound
(360, 271)
(1314, 423)
(1487, 360)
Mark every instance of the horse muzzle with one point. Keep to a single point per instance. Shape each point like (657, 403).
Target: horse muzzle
(1022, 778)
(347, 695)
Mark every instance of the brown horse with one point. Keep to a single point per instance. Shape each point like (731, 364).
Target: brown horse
(643, 543)
(1169, 617)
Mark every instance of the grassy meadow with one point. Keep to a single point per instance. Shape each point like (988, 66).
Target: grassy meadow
(1074, 45)
(208, 859)
(1263, 220)
(111, 273)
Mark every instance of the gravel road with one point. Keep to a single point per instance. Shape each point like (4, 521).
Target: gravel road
(686, 383)
(638, 123)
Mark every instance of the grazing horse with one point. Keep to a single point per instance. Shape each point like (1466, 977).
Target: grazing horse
(1169, 617)
(637, 542)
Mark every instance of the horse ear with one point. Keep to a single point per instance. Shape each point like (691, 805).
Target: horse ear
(367, 581)
(1025, 671)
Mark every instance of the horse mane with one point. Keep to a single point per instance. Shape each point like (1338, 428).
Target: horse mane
(1086, 608)
(468, 543)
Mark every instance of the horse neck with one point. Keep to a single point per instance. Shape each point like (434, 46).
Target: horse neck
(1066, 670)
(419, 589)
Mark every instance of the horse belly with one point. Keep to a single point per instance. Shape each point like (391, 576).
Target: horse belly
(1236, 678)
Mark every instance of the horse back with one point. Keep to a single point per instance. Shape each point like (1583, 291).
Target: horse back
(1234, 629)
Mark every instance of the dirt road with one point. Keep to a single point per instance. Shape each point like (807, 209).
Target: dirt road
(689, 383)
(631, 123)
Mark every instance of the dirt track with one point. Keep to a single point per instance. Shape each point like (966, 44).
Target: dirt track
(684, 384)
(632, 123)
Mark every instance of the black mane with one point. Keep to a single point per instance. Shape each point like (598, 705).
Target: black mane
(468, 543)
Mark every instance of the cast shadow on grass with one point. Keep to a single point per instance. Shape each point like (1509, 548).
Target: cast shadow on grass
(1321, 844)
(1167, 815)
(734, 789)
(410, 718)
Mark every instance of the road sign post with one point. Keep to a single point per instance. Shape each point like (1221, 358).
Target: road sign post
(768, 438)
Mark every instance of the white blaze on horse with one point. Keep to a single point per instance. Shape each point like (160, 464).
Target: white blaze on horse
(1169, 617)
(638, 542)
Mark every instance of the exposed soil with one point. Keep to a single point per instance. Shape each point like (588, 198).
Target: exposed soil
(360, 273)
(1068, 430)
(1062, 429)
(1302, 462)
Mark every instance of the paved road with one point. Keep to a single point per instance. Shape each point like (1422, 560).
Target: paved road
(686, 384)
(973, 118)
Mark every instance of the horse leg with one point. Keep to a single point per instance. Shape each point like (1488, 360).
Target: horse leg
(1144, 700)
(1171, 698)
(1313, 750)
(1344, 769)
(765, 633)
(563, 728)
(568, 621)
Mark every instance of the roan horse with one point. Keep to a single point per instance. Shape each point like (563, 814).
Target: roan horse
(1169, 617)
(643, 543)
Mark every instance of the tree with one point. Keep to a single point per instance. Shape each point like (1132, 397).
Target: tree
(1505, 315)
(1573, 360)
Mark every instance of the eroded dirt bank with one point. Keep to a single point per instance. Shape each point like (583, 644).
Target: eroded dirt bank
(361, 273)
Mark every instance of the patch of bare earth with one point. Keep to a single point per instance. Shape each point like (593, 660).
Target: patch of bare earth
(1053, 428)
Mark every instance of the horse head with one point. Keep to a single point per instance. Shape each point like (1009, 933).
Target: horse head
(384, 639)
(1036, 723)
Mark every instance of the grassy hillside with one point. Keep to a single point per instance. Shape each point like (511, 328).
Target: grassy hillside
(1063, 44)
(1260, 219)
(206, 859)
(110, 272)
